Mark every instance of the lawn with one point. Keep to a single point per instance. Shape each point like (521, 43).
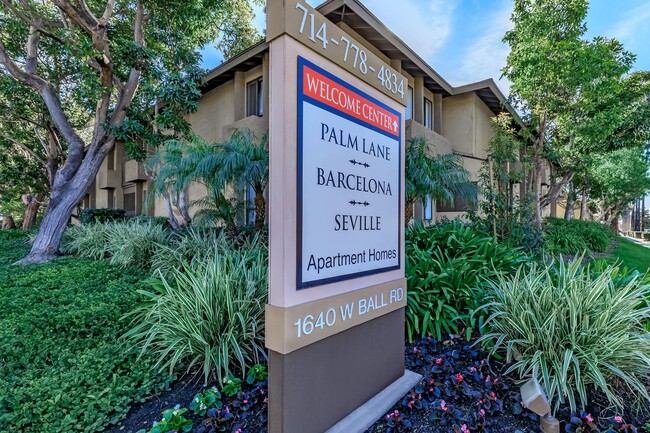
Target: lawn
(62, 365)
(632, 255)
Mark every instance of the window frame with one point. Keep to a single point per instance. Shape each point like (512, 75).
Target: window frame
(428, 113)
(255, 97)
(409, 103)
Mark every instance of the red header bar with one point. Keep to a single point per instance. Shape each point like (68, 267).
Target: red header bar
(338, 96)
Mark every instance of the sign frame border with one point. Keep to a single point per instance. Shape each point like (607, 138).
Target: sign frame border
(301, 98)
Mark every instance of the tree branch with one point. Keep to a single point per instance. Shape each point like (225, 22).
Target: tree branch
(37, 24)
(51, 100)
(24, 148)
(555, 190)
(128, 92)
(108, 12)
(32, 51)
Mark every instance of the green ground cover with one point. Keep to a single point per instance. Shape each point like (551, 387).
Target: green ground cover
(62, 366)
(631, 255)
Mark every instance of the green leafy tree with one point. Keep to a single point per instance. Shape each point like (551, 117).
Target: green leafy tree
(441, 177)
(106, 64)
(617, 178)
(576, 94)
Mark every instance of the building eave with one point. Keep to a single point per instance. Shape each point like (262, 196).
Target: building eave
(364, 22)
(491, 96)
(242, 62)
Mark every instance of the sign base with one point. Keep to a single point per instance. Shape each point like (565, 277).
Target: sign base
(364, 417)
(313, 388)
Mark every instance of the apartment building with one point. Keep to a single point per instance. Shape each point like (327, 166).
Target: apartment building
(235, 95)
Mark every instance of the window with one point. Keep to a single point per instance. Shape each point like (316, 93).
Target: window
(409, 104)
(428, 208)
(255, 98)
(129, 203)
(427, 113)
(459, 204)
(250, 205)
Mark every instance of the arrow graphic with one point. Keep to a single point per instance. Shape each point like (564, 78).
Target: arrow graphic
(359, 203)
(355, 162)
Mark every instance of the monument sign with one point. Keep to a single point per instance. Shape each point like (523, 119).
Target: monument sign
(335, 316)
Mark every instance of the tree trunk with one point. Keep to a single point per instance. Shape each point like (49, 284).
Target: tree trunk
(170, 211)
(537, 190)
(583, 205)
(408, 212)
(32, 205)
(183, 208)
(65, 196)
(570, 202)
(260, 208)
(8, 223)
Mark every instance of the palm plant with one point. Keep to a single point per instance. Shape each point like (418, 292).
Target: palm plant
(170, 172)
(242, 160)
(442, 177)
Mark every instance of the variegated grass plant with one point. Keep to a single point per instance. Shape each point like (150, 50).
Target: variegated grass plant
(208, 312)
(124, 243)
(571, 328)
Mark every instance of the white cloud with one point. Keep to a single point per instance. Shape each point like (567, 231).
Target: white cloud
(486, 55)
(424, 29)
(634, 28)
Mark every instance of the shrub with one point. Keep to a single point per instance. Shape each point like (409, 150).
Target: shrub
(572, 328)
(104, 215)
(446, 269)
(576, 236)
(196, 244)
(14, 234)
(209, 311)
(88, 241)
(128, 243)
(61, 366)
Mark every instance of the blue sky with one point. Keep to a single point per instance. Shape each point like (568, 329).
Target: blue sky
(461, 39)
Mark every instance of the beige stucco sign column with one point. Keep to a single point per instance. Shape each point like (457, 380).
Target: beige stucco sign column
(335, 316)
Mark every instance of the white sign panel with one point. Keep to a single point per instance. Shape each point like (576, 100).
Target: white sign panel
(348, 181)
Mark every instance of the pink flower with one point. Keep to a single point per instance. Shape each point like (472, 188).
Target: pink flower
(488, 378)
(245, 401)
(473, 369)
(266, 399)
(589, 418)
(618, 419)
(459, 377)
(481, 412)
(439, 361)
(443, 405)
(464, 428)
(396, 413)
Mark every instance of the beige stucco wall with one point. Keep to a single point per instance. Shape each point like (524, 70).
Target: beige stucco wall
(458, 122)
(215, 111)
(466, 122)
